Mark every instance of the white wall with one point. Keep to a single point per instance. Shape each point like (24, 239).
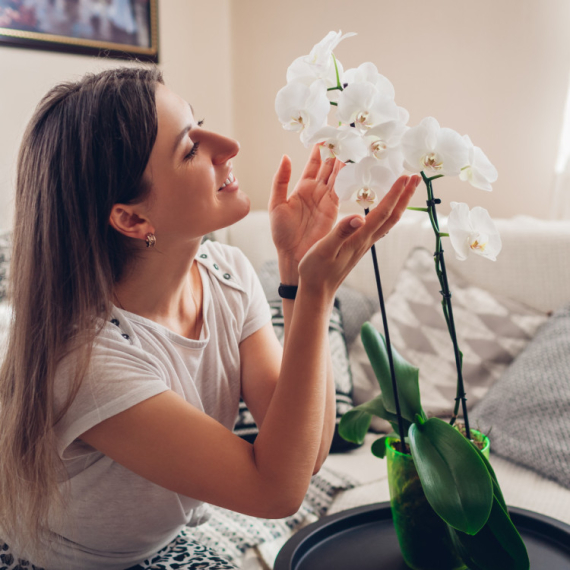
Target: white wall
(494, 69)
(194, 36)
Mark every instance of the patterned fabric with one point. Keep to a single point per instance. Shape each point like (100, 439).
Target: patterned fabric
(491, 330)
(527, 412)
(231, 534)
(5, 255)
(245, 425)
(183, 553)
(9, 562)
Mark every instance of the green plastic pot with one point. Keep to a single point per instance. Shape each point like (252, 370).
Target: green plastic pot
(424, 540)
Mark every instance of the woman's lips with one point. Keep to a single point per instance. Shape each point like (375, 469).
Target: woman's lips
(231, 184)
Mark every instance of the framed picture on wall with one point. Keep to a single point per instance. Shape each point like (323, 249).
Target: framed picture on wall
(115, 28)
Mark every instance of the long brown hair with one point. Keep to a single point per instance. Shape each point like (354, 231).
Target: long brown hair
(84, 150)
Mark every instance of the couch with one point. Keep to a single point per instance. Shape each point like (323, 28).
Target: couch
(533, 268)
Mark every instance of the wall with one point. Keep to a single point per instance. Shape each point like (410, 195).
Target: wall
(496, 70)
(188, 29)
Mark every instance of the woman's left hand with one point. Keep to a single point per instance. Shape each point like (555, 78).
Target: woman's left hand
(309, 213)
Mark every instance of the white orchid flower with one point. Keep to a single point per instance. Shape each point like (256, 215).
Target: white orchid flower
(362, 105)
(393, 159)
(479, 171)
(303, 109)
(319, 64)
(368, 72)
(383, 137)
(344, 143)
(367, 181)
(473, 232)
(434, 149)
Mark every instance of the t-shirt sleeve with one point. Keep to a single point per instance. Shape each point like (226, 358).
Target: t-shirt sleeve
(119, 376)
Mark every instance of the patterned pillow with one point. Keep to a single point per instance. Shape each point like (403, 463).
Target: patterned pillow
(491, 331)
(245, 425)
(527, 412)
(5, 255)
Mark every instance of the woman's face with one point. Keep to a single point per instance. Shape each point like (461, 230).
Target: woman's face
(188, 166)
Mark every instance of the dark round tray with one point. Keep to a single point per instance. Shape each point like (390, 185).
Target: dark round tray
(364, 538)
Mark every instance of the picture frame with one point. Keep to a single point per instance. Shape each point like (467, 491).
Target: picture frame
(122, 29)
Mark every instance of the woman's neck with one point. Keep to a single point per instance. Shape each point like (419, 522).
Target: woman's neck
(165, 287)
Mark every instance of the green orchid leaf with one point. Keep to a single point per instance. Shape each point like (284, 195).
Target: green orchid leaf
(354, 424)
(454, 478)
(407, 376)
(379, 446)
(496, 487)
(498, 546)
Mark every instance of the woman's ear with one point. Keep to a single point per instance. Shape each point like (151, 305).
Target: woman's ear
(126, 220)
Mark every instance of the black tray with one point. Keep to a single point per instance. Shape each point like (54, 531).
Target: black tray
(364, 539)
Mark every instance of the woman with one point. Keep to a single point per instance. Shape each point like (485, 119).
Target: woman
(132, 342)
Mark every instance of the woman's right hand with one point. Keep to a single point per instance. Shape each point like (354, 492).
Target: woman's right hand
(325, 266)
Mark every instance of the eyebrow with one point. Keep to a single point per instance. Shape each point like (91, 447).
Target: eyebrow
(183, 133)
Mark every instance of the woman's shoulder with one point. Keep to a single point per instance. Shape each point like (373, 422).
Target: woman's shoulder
(114, 342)
(227, 262)
(223, 251)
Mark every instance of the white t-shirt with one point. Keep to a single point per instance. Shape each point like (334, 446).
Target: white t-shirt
(117, 518)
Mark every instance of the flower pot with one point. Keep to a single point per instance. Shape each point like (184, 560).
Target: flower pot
(422, 534)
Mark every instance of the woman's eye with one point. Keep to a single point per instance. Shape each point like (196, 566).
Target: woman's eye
(192, 151)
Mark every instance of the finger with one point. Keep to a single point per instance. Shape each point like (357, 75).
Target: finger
(280, 183)
(329, 188)
(346, 228)
(313, 164)
(326, 170)
(399, 209)
(380, 215)
(338, 166)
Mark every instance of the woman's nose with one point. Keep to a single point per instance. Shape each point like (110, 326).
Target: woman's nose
(224, 149)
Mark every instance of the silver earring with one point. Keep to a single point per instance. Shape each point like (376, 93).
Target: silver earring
(150, 240)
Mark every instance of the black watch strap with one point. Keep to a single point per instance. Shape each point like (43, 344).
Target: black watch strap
(287, 291)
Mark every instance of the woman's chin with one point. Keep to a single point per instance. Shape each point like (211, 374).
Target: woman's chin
(237, 210)
(243, 207)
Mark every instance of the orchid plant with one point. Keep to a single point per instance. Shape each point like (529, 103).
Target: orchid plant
(370, 134)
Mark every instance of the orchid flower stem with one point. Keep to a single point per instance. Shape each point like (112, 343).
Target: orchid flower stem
(333, 103)
(333, 88)
(338, 85)
(435, 177)
(446, 304)
(443, 234)
(417, 209)
(403, 448)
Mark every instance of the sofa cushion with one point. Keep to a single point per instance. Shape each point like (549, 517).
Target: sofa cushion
(245, 425)
(491, 331)
(527, 412)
